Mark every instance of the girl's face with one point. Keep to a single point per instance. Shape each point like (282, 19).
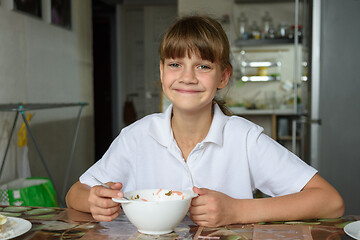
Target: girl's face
(191, 83)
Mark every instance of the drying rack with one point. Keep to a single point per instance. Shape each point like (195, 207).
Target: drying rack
(21, 108)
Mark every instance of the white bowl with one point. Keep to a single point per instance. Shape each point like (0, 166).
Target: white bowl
(156, 211)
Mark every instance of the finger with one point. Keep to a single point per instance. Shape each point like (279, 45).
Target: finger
(197, 210)
(96, 210)
(200, 191)
(105, 218)
(115, 186)
(199, 219)
(101, 191)
(106, 203)
(202, 220)
(201, 223)
(199, 201)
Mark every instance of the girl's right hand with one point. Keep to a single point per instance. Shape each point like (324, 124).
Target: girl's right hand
(102, 207)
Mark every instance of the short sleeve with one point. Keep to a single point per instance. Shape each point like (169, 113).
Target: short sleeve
(275, 170)
(117, 164)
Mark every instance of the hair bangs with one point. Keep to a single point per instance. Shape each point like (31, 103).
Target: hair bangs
(198, 35)
(188, 40)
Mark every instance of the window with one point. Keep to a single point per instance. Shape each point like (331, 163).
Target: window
(32, 7)
(61, 13)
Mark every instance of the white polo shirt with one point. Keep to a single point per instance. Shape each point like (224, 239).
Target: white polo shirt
(235, 158)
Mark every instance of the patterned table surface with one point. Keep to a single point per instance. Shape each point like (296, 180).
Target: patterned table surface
(63, 223)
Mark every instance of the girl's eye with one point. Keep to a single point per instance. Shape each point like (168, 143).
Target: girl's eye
(174, 65)
(204, 67)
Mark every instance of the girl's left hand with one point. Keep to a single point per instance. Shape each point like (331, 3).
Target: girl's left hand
(211, 208)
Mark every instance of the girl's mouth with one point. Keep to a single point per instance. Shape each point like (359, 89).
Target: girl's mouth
(187, 91)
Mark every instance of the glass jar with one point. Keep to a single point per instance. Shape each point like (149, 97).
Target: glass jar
(291, 33)
(266, 23)
(272, 32)
(283, 30)
(242, 23)
(255, 30)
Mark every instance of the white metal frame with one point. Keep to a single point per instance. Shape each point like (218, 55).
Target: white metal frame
(315, 84)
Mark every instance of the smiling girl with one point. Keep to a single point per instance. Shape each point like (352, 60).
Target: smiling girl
(195, 144)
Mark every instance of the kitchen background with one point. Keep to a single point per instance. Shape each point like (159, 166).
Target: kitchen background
(300, 84)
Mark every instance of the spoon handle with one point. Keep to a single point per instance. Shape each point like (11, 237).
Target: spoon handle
(101, 183)
(104, 185)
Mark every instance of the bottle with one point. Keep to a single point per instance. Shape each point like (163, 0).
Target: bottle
(292, 32)
(266, 23)
(272, 32)
(283, 31)
(255, 30)
(262, 71)
(242, 20)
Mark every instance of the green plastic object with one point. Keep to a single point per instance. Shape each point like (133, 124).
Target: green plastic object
(33, 191)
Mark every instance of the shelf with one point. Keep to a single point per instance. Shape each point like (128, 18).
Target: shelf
(244, 111)
(287, 138)
(267, 61)
(18, 107)
(260, 78)
(259, 42)
(260, 64)
(261, 1)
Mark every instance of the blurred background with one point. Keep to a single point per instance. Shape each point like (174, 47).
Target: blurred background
(295, 65)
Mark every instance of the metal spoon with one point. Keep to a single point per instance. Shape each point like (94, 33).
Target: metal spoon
(104, 185)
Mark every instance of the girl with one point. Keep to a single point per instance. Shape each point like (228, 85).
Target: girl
(193, 144)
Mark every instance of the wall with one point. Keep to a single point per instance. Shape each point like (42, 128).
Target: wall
(211, 7)
(44, 63)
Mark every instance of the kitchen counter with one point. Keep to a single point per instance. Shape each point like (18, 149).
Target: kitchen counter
(244, 111)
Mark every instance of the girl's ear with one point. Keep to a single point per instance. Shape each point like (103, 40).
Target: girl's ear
(161, 70)
(224, 78)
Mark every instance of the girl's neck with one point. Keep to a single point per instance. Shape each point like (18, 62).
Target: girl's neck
(190, 128)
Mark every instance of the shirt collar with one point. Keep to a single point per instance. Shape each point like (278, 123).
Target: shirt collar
(216, 131)
(160, 128)
(161, 131)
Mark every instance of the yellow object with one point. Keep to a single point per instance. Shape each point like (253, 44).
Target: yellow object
(262, 71)
(22, 139)
(3, 219)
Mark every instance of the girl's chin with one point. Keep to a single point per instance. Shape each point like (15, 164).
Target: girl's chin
(192, 108)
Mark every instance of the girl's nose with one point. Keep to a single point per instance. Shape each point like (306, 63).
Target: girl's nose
(188, 76)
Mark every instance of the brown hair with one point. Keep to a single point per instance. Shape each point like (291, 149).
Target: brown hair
(201, 35)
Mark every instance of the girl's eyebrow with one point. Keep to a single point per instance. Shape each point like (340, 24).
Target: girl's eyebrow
(204, 61)
(172, 60)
